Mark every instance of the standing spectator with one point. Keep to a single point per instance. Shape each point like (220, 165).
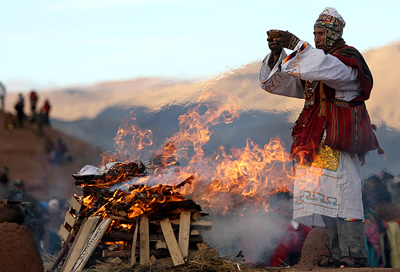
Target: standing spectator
(291, 242)
(388, 216)
(49, 150)
(46, 111)
(21, 98)
(19, 107)
(56, 216)
(389, 181)
(61, 152)
(18, 249)
(4, 179)
(371, 187)
(33, 98)
(50, 242)
(39, 120)
(396, 190)
(2, 95)
(34, 218)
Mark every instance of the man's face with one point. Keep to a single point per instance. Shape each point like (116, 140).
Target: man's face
(320, 38)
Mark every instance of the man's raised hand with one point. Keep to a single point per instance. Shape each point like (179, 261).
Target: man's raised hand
(284, 38)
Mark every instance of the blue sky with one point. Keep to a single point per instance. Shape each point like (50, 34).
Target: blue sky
(59, 43)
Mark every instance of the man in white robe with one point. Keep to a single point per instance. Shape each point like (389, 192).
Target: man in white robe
(327, 190)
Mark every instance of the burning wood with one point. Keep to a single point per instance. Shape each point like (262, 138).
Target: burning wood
(115, 217)
(119, 173)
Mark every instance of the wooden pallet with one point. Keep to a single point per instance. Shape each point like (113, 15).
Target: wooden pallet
(86, 241)
(71, 217)
(92, 230)
(178, 247)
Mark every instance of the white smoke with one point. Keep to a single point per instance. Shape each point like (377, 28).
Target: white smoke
(256, 236)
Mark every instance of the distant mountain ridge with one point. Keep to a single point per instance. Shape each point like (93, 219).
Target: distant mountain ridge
(82, 102)
(93, 113)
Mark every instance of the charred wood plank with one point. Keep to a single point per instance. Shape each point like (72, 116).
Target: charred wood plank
(117, 253)
(91, 245)
(144, 241)
(184, 233)
(173, 247)
(134, 241)
(81, 238)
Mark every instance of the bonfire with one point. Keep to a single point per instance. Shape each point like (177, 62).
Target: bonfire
(146, 212)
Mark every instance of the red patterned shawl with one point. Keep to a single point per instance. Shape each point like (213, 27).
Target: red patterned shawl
(355, 136)
(351, 57)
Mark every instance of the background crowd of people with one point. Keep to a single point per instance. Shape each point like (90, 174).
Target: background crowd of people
(56, 152)
(38, 115)
(381, 199)
(42, 217)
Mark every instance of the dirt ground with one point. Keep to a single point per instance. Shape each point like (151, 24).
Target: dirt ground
(18, 250)
(315, 246)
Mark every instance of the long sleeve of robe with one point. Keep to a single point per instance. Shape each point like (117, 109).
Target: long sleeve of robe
(308, 63)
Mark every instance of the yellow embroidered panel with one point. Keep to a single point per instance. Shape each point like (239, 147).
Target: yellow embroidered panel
(326, 158)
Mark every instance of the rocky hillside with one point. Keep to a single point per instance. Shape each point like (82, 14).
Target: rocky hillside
(22, 150)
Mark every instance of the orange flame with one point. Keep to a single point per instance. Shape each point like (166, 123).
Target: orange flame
(129, 141)
(234, 181)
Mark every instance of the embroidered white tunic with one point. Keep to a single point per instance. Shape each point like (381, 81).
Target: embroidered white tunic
(331, 186)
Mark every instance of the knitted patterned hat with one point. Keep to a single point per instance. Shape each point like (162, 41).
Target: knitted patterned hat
(333, 23)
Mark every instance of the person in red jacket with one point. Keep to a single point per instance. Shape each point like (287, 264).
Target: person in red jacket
(46, 111)
(288, 250)
(33, 99)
